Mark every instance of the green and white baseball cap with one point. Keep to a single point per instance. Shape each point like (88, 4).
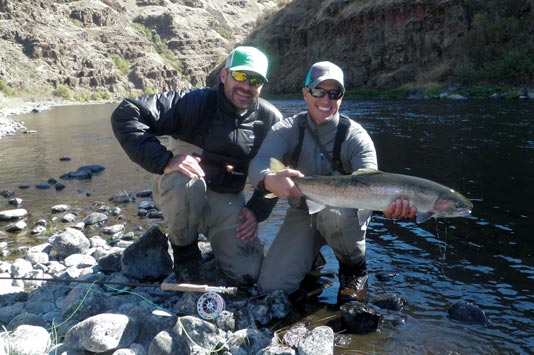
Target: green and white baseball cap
(246, 58)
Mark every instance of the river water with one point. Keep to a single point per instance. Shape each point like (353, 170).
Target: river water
(484, 149)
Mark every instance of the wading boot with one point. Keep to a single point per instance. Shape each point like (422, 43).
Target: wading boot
(353, 282)
(187, 263)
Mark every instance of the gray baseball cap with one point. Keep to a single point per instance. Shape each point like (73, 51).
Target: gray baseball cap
(322, 71)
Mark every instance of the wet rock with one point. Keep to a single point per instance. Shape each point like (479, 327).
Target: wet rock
(15, 202)
(7, 193)
(95, 218)
(83, 173)
(360, 318)
(394, 302)
(43, 186)
(385, 276)
(16, 227)
(144, 193)
(60, 208)
(59, 186)
(122, 197)
(9, 215)
(467, 312)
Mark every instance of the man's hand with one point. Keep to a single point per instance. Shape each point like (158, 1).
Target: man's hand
(249, 228)
(281, 184)
(186, 164)
(400, 209)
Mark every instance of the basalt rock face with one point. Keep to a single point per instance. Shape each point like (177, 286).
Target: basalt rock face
(125, 47)
(387, 43)
(118, 47)
(380, 44)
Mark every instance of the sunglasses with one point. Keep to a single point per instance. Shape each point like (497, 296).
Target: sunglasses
(332, 94)
(241, 77)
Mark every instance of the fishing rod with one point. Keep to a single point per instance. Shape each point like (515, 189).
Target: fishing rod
(181, 287)
(209, 305)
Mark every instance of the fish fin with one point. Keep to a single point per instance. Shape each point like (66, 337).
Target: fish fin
(363, 215)
(365, 171)
(423, 216)
(314, 207)
(276, 165)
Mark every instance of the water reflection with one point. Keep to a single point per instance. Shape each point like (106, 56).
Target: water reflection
(484, 149)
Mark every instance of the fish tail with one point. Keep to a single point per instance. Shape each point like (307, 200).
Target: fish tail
(276, 165)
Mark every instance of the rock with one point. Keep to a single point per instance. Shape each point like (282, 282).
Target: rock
(393, 302)
(360, 318)
(248, 341)
(16, 227)
(467, 312)
(102, 332)
(43, 186)
(71, 241)
(295, 334)
(61, 208)
(200, 332)
(169, 342)
(7, 193)
(320, 341)
(19, 345)
(15, 202)
(148, 257)
(95, 218)
(9, 215)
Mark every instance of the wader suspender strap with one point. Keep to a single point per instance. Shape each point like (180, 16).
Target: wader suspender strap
(341, 134)
(296, 153)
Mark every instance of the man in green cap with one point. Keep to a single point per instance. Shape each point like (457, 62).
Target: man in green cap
(203, 193)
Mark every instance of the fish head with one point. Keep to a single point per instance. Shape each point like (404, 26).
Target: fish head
(452, 204)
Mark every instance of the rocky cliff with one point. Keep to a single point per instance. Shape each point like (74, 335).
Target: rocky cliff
(390, 43)
(115, 48)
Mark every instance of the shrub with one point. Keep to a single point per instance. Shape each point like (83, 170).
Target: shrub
(6, 89)
(121, 64)
(63, 91)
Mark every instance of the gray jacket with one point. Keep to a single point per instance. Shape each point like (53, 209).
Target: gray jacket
(357, 151)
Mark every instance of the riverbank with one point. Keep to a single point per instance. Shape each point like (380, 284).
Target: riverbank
(12, 107)
(94, 285)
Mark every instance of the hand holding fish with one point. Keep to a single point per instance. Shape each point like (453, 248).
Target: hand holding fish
(400, 209)
(186, 164)
(280, 183)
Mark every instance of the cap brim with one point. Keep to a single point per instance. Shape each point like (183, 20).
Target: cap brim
(320, 79)
(247, 68)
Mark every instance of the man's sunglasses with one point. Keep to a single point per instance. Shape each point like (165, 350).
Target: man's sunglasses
(332, 94)
(241, 77)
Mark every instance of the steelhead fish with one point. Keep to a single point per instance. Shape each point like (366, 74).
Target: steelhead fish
(373, 190)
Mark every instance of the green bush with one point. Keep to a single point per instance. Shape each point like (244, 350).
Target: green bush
(63, 91)
(121, 64)
(6, 89)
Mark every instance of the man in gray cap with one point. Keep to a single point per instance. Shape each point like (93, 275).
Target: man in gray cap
(318, 141)
(203, 193)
